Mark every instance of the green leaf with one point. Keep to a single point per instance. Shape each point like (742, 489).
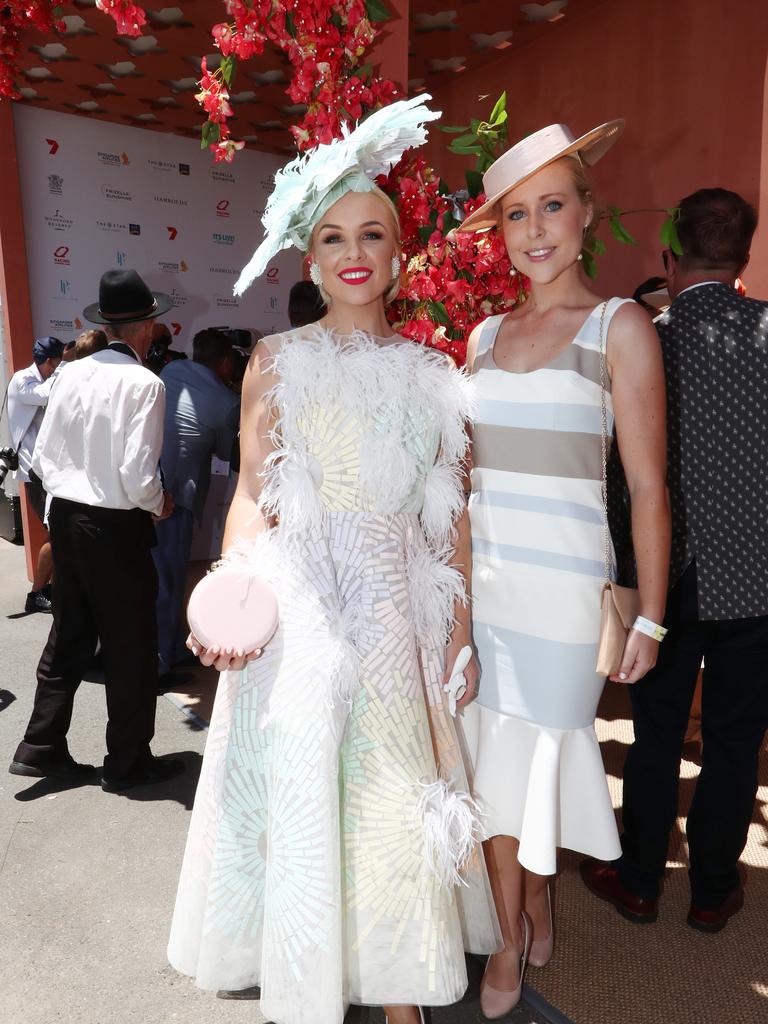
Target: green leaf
(425, 233)
(449, 223)
(290, 24)
(619, 232)
(209, 135)
(588, 262)
(669, 235)
(597, 247)
(364, 72)
(438, 313)
(474, 183)
(336, 20)
(500, 107)
(377, 10)
(469, 139)
(463, 148)
(443, 188)
(228, 67)
(452, 129)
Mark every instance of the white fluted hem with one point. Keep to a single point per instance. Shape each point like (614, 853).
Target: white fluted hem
(545, 787)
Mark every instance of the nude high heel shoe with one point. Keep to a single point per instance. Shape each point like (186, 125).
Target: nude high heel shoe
(541, 949)
(496, 1005)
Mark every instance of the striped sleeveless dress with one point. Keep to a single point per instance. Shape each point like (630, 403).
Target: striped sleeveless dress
(537, 547)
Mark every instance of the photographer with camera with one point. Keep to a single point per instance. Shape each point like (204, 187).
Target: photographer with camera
(28, 393)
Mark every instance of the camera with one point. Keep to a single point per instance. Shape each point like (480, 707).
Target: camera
(9, 460)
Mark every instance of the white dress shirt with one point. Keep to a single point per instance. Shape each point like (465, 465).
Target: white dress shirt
(28, 396)
(101, 439)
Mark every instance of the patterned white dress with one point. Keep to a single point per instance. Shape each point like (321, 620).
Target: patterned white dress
(537, 551)
(332, 819)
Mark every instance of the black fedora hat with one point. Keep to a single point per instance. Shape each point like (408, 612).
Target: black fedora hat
(124, 298)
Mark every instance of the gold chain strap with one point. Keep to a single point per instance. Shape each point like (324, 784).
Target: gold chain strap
(604, 446)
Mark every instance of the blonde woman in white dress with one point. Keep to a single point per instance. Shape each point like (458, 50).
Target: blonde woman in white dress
(333, 856)
(538, 540)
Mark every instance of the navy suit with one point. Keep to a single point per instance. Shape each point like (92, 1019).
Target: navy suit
(201, 420)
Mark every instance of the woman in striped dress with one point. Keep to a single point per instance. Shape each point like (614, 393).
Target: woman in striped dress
(538, 541)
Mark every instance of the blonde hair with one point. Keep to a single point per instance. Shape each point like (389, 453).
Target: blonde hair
(392, 292)
(583, 187)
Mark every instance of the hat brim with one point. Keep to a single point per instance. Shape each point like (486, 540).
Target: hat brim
(591, 147)
(94, 315)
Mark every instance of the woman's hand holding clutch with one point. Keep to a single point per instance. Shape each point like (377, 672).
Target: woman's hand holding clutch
(222, 660)
(232, 614)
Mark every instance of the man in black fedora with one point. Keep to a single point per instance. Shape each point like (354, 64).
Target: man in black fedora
(97, 454)
(715, 345)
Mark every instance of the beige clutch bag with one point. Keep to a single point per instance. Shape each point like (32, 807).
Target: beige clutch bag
(619, 607)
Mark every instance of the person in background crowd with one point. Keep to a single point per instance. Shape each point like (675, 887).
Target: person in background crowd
(716, 359)
(97, 454)
(649, 287)
(201, 417)
(540, 554)
(158, 353)
(305, 304)
(89, 342)
(69, 352)
(28, 393)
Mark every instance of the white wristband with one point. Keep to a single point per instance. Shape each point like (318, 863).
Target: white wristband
(652, 629)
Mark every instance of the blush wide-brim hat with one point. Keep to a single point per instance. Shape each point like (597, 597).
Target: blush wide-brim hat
(530, 155)
(125, 298)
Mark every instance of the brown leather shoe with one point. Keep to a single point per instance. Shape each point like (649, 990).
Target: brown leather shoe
(603, 880)
(715, 920)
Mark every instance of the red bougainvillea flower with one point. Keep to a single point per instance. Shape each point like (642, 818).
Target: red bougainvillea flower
(129, 17)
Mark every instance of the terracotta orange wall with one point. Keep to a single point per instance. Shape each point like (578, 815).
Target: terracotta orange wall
(689, 77)
(14, 290)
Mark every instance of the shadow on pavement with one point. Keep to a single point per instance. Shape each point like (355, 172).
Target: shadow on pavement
(6, 698)
(181, 789)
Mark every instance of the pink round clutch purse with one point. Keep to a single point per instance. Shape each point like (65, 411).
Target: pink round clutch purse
(233, 609)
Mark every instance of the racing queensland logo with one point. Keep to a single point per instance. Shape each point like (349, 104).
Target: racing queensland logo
(61, 255)
(222, 208)
(273, 276)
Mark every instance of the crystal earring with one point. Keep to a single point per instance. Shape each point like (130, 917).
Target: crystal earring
(396, 267)
(580, 257)
(314, 273)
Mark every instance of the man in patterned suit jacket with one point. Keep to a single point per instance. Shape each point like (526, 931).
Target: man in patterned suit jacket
(715, 345)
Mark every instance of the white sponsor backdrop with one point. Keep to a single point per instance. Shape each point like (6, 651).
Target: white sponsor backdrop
(99, 195)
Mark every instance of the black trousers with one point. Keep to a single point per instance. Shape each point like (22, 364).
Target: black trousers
(105, 588)
(734, 721)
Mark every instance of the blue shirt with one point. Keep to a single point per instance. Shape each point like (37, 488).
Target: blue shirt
(201, 420)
